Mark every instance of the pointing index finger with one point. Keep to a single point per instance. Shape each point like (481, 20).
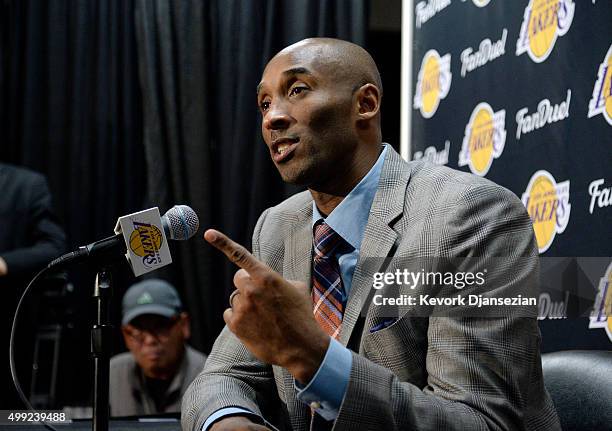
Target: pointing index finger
(233, 251)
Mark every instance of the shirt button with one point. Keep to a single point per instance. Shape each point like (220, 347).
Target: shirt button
(315, 405)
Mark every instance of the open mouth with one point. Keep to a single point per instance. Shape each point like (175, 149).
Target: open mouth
(282, 148)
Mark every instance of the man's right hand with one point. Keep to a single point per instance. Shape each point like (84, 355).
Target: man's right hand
(237, 423)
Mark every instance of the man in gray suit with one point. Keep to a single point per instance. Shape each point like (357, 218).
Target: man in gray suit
(304, 347)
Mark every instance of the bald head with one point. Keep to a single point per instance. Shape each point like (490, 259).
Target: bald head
(320, 105)
(348, 63)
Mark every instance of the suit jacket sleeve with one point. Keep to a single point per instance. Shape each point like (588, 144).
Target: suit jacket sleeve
(482, 373)
(232, 376)
(45, 239)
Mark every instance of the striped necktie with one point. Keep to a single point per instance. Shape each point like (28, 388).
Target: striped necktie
(327, 291)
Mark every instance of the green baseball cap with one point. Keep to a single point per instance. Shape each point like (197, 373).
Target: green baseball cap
(151, 296)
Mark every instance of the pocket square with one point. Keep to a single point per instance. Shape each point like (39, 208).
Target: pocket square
(384, 324)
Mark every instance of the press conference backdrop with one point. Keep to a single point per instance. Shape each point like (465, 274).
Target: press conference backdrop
(520, 92)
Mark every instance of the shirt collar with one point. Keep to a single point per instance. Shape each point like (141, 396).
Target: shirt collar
(354, 207)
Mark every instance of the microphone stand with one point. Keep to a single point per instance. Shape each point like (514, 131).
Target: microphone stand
(101, 345)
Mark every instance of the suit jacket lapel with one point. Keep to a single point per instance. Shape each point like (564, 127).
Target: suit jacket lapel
(299, 246)
(379, 236)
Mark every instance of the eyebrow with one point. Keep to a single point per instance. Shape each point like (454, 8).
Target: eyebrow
(289, 72)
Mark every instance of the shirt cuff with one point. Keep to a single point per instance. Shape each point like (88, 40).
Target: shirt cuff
(229, 411)
(325, 391)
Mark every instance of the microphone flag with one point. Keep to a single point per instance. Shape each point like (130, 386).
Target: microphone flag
(145, 240)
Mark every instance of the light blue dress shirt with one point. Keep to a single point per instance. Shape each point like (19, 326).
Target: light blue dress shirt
(326, 389)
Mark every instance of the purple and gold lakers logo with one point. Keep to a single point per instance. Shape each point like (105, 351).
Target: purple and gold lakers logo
(481, 3)
(145, 241)
(484, 139)
(433, 82)
(543, 22)
(601, 101)
(601, 317)
(547, 204)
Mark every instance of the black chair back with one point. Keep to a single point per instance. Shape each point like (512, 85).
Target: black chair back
(580, 385)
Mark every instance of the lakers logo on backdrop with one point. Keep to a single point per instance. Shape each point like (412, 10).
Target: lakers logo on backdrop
(484, 139)
(601, 317)
(543, 22)
(481, 3)
(548, 205)
(433, 82)
(601, 101)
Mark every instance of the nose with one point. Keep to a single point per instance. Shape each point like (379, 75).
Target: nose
(277, 117)
(149, 338)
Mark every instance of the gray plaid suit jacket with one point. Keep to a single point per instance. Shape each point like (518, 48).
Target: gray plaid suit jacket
(419, 373)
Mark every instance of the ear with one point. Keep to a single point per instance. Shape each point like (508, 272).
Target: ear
(185, 322)
(368, 101)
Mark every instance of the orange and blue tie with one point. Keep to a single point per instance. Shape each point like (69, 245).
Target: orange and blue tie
(327, 291)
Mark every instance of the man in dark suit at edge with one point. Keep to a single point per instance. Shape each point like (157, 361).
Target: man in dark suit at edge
(30, 237)
(301, 350)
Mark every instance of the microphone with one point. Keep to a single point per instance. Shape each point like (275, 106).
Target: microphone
(179, 223)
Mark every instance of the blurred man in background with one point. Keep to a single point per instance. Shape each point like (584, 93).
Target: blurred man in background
(152, 377)
(30, 237)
